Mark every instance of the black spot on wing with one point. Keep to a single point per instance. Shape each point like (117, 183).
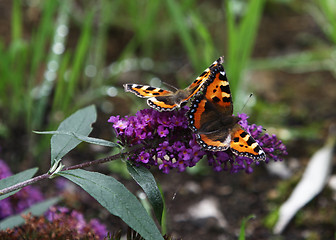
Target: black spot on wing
(215, 99)
(257, 149)
(250, 141)
(150, 88)
(243, 134)
(226, 99)
(225, 89)
(222, 77)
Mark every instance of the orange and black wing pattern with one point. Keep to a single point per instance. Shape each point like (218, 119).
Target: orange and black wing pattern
(210, 117)
(164, 100)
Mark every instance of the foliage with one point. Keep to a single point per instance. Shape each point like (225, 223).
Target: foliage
(65, 61)
(110, 193)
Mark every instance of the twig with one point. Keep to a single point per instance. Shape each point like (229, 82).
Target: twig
(47, 175)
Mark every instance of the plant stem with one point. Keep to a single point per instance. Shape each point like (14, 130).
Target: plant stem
(47, 175)
(24, 184)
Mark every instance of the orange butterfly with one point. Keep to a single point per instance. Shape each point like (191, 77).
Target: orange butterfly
(210, 117)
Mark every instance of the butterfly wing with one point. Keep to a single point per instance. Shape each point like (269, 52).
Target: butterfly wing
(145, 91)
(244, 145)
(210, 114)
(158, 98)
(168, 102)
(196, 86)
(205, 122)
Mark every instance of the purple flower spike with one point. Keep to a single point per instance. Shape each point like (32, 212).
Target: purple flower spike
(168, 143)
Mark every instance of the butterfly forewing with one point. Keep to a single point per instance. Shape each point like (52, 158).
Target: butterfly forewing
(164, 100)
(146, 91)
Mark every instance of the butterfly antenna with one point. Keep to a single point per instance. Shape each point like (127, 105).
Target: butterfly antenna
(169, 85)
(247, 100)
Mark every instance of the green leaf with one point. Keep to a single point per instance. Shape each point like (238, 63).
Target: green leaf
(83, 138)
(243, 227)
(112, 195)
(147, 182)
(80, 123)
(15, 179)
(36, 210)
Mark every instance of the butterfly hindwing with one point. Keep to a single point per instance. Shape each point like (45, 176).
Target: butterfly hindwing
(244, 145)
(169, 102)
(210, 125)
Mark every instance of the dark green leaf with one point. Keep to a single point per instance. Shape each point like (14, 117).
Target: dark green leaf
(15, 179)
(83, 138)
(147, 182)
(36, 210)
(80, 123)
(112, 195)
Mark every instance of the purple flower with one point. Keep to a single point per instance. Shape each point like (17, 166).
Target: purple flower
(74, 220)
(164, 140)
(162, 131)
(144, 157)
(99, 229)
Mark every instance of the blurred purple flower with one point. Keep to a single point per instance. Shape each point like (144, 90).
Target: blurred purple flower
(29, 195)
(4, 170)
(99, 229)
(177, 147)
(21, 200)
(75, 221)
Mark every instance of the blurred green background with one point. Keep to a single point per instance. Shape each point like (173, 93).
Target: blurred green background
(59, 56)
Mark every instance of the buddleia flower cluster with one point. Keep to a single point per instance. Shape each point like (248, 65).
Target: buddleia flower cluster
(164, 140)
(56, 219)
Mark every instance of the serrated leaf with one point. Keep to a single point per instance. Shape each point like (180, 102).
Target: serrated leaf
(15, 179)
(36, 210)
(112, 195)
(147, 182)
(80, 122)
(83, 138)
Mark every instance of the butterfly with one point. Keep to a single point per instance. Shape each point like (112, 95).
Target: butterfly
(165, 100)
(210, 117)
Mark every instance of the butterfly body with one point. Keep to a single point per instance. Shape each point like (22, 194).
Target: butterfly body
(165, 100)
(210, 117)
